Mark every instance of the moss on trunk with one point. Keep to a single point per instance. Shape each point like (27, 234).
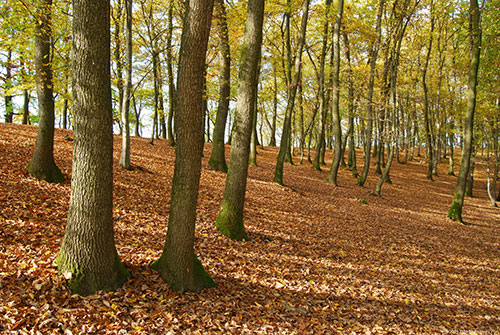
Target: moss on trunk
(230, 222)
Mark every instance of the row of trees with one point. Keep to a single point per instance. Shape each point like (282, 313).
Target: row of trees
(310, 61)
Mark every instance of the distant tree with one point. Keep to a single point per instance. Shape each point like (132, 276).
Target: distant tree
(292, 91)
(178, 264)
(42, 165)
(230, 219)
(125, 104)
(217, 157)
(332, 175)
(88, 257)
(455, 212)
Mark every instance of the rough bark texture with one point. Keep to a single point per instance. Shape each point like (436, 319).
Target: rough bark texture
(178, 264)
(125, 155)
(42, 165)
(455, 211)
(88, 257)
(332, 176)
(217, 157)
(230, 219)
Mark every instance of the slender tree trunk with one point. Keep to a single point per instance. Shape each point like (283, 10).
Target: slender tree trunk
(371, 82)
(125, 108)
(217, 157)
(427, 121)
(117, 21)
(178, 264)
(285, 138)
(323, 102)
(455, 212)
(230, 219)
(332, 177)
(42, 165)
(156, 89)
(88, 257)
(9, 107)
(470, 178)
(170, 73)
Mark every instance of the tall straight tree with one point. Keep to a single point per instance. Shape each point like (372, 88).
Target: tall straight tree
(287, 123)
(42, 165)
(332, 176)
(178, 264)
(217, 157)
(230, 219)
(88, 257)
(321, 89)
(375, 47)
(455, 212)
(125, 155)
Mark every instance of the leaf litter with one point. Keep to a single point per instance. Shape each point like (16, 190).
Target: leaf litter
(319, 261)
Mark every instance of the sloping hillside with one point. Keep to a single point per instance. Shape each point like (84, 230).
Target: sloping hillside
(320, 260)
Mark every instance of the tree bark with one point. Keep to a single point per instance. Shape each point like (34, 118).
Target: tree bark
(323, 102)
(88, 257)
(42, 165)
(230, 219)
(455, 211)
(332, 176)
(369, 107)
(178, 264)
(217, 157)
(285, 137)
(125, 155)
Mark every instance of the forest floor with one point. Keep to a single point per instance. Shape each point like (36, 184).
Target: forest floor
(319, 259)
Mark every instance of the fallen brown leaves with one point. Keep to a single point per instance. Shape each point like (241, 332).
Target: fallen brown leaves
(320, 261)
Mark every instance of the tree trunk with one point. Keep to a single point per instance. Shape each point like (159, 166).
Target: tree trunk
(218, 157)
(230, 219)
(323, 102)
(9, 107)
(42, 165)
(125, 155)
(170, 73)
(178, 264)
(332, 176)
(285, 137)
(88, 257)
(455, 212)
(371, 82)
(427, 121)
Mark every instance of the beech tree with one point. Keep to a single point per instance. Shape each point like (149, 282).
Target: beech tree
(230, 219)
(178, 264)
(455, 212)
(88, 257)
(42, 165)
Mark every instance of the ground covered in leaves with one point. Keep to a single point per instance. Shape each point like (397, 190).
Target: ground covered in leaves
(320, 260)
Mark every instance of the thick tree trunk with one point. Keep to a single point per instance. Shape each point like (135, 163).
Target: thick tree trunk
(332, 176)
(42, 165)
(88, 257)
(178, 264)
(217, 157)
(125, 155)
(230, 219)
(455, 212)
